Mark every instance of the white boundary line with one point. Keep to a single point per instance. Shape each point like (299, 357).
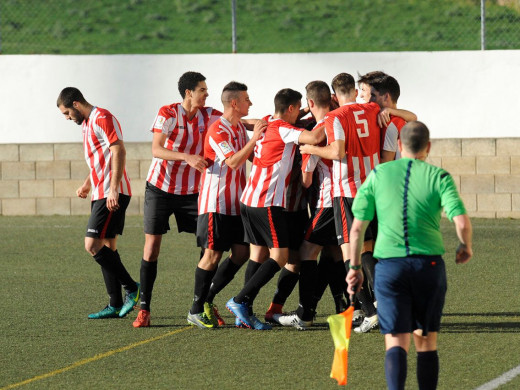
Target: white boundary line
(501, 380)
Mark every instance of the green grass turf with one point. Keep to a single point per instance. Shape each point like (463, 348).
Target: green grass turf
(263, 26)
(50, 284)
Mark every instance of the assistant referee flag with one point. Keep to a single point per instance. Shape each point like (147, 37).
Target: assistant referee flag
(340, 326)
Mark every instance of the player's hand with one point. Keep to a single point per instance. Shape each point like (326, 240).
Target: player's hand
(82, 192)
(383, 118)
(305, 149)
(259, 129)
(354, 280)
(113, 201)
(196, 161)
(463, 254)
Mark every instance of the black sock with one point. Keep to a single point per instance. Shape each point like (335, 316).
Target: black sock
(260, 278)
(287, 280)
(323, 277)
(111, 261)
(369, 267)
(202, 283)
(395, 368)
(337, 281)
(365, 299)
(252, 267)
(113, 288)
(308, 276)
(427, 370)
(226, 271)
(148, 274)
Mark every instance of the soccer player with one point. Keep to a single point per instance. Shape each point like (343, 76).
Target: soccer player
(173, 179)
(105, 155)
(219, 226)
(353, 137)
(264, 198)
(409, 195)
(320, 231)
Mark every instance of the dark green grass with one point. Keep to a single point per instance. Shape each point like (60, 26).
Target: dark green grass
(263, 26)
(50, 284)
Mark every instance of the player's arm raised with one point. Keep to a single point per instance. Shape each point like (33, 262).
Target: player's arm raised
(333, 151)
(159, 151)
(383, 118)
(240, 157)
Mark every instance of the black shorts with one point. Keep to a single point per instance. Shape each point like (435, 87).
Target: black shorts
(410, 293)
(265, 226)
(104, 223)
(160, 205)
(343, 219)
(219, 231)
(321, 229)
(296, 221)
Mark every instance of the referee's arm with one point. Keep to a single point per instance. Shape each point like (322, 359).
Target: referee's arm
(464, 233)
(356, 239)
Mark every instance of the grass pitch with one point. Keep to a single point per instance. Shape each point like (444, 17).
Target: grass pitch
(50, 285)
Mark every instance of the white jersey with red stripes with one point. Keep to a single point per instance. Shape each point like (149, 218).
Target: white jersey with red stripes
(100, 130)
(322, 178)
(184, 136)
(221, 186)
(356, 124)
(390, 135)
(272, 165)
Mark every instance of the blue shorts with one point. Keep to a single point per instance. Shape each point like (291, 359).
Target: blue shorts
(410, 293)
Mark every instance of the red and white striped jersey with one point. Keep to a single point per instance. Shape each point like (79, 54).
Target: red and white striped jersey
(271, 169)
(221, 186)
(296, 193)
(356, 124)
(185, 136)
(100, 130)
(322, 178)
(390, 135)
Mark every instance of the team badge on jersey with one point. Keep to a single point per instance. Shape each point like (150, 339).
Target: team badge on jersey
(224, 146)
(159, 122)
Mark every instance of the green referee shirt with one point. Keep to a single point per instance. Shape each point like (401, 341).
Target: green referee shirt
(408, 196)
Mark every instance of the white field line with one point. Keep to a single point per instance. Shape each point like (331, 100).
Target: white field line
(501, 380)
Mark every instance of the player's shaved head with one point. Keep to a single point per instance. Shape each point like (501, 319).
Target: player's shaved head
(319, 92)
(285, 98)
(68, 96)
(343, 84)
(232, 91)
(415, 137)
(189, 80)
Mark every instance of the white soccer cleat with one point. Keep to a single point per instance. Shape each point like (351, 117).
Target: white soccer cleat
(292, 320)
(368, 324)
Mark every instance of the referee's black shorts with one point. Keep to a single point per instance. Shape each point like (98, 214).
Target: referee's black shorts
(160, 205)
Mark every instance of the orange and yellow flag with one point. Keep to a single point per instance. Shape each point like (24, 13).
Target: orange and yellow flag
(340, 326)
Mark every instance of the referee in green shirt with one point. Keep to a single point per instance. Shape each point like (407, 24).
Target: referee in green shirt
(410, 279)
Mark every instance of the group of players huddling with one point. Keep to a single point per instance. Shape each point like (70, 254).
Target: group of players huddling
(295, 204)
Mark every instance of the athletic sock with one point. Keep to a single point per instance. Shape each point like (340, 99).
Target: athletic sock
(322, 280)
(366, 301)
(260, 278)
(226, 271)
(252, 267)
(113, 288)
(427, 370)
(308, 276)
(148, 274)
(337, 281)
(202, 283)
(111, 261)
(395, 368)
(287, 280)
(369, 267)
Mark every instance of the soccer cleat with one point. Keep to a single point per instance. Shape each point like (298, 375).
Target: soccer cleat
(274, 308)
(239, 323)
(357, 318)
(130, 301)
(368, 324)
(293, 320)
(142, 320)
(212, 313)
(107, 312)
(200, 320)
(259, 325)
(241, 311)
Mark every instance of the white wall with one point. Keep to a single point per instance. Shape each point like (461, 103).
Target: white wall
(470, 94)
